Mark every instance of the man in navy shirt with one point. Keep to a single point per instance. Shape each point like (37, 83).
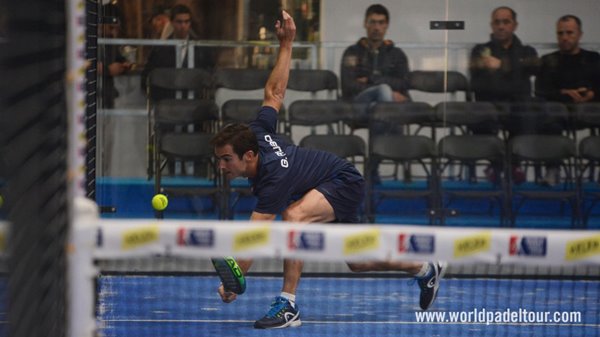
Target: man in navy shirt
(303, 185)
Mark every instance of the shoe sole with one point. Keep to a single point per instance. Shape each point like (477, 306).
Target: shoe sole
(442, 271)
(295, 322)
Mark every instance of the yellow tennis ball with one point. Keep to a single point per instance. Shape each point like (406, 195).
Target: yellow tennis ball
(160, 202)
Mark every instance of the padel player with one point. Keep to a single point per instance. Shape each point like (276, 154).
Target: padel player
(303, 185)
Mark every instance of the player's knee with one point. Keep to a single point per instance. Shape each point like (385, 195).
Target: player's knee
(294, 214)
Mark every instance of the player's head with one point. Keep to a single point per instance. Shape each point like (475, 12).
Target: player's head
(568, 34)
(181, 19)
(236, 149)
(504, 23)
(377, 19)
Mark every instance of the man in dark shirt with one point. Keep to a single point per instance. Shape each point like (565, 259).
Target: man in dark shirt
(373, 69)
(501, 68)
(571, 74)
(500, 72)
(301, 184)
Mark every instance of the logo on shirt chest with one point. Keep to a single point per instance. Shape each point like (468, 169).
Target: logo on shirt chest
(278, 151)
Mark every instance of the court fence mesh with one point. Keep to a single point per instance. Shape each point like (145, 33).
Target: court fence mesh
(33, 175)
(154, 278)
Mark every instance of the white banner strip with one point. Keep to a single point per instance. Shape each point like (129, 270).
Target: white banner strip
(320, 242)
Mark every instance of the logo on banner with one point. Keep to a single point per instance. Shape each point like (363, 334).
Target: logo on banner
(582, 248)
(306, 240)
(137, 237)
(528, 245)
(251, 238)
(416, 243)
(361, 242)
(471, 245)
(195, 237)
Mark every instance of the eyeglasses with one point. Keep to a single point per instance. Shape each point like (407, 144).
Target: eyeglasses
(182, 21)
(372, 22)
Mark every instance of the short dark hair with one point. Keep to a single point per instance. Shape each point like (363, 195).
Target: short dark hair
(239, 136)
(180, 9)
(377, 9)
(512, 11)
(571, 17)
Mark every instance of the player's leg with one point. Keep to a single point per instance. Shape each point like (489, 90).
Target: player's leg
(428, 275)
(312, 207)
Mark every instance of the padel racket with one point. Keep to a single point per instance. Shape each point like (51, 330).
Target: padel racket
(230, 274)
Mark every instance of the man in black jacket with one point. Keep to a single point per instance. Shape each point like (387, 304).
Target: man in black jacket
(167, 56)
(374, 70)
(501, 68)
(571, 74)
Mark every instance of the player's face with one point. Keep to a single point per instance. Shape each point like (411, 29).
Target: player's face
(503, 25)
(229, 163)
(376, 26)
(181, 25)
(568, 35)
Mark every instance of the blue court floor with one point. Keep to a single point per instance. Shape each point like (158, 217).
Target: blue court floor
(188, 306)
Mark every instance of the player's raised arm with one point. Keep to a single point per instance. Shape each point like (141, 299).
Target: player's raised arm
(277, 82)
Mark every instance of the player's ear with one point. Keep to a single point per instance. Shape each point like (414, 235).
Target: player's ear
(248, 155)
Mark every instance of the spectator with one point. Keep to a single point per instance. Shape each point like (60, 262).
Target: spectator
(167, 57)
(160, 22)
(501, 68)
(500, 72)
(373, 69)
(571, 74)
(112, 63)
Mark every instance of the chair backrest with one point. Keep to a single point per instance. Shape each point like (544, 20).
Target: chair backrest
(312, 80)
(342, 145)
(542, 148)
(241, 79)
(391, 117)
(472, 148)
(589, 148)
(240, 110)
(402, 148)
(439, 82)
(319, 112)
(466, 113)
(586, 115)
(181, 112)
(180, 78)
(536, 117)
(191, 146)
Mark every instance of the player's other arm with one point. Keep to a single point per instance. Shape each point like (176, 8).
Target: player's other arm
(277, 82)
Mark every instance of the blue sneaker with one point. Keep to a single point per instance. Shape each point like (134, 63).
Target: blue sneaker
(281, 315)
(430, 283)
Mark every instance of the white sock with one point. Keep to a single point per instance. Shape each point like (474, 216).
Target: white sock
(289, 297)
(424, 270)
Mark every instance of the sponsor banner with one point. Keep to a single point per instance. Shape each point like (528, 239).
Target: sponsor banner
(333, 242)
(340, 242)
(130, 238)
(214, 239)
(457, 245)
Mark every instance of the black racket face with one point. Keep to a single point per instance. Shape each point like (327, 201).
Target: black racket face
(230, 274)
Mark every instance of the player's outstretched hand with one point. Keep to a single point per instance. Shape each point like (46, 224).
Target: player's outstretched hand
(286, 30)
(226, 296)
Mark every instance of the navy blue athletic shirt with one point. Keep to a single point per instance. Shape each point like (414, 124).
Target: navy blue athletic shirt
(286, 172)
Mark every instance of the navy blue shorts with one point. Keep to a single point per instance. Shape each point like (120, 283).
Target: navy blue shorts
(345, 193)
